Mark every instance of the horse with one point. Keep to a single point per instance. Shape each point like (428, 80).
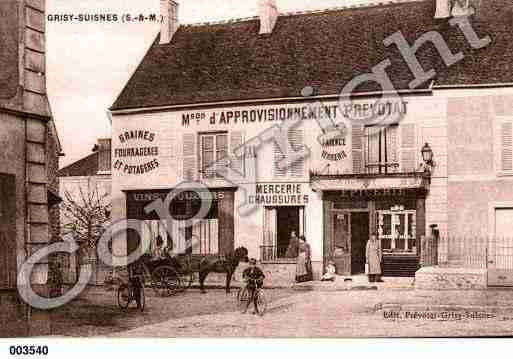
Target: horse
(226, 264)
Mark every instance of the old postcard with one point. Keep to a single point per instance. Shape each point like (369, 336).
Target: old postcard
(259, 168)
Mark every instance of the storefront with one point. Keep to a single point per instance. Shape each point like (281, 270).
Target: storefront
(212, 235)
(392, 208)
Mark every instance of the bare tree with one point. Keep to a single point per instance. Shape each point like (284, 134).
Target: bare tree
(86, 217)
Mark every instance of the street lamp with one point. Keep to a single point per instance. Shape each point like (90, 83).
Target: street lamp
(427, 154)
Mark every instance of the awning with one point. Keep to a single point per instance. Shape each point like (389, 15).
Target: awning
(371, 183)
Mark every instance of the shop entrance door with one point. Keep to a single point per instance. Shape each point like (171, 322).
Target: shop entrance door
(359, 238)
(500, 250)
(287, 221)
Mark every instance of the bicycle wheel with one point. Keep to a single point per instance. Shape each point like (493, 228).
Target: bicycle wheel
(243, 299)
(142, 299)
(165, 281)
(186, 274)
(124, 297)
(261, 303)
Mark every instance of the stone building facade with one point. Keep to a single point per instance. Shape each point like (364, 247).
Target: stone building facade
(206, 91)
(28, 161)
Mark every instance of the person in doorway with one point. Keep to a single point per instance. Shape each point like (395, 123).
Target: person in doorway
(303, 262)
(373, 259)
(292, 250)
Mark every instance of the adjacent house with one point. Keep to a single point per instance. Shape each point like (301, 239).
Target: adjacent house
(86, 179)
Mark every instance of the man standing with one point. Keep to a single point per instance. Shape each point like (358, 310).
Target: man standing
(374, 257)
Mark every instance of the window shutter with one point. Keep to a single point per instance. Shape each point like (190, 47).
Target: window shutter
(507, 146)
(392, 144)
(236, 140)
(278, 157)
(357, 149)
(408, 148)
(296, 139)
(190, 160)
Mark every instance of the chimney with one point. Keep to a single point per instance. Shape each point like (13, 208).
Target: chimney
(169, 26)
(443, 9)
(462, 8)
(268, 12)
(104, 155)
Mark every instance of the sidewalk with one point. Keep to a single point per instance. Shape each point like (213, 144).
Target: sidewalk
(359, 282)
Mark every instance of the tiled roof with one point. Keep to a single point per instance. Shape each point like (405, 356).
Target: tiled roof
(326, 49)
(87, 166)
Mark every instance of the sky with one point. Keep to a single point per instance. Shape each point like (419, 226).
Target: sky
(89, 63)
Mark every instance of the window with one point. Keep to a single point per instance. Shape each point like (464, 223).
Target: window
(381, 145)
(296, 169)
(214, 147)
(397, 229)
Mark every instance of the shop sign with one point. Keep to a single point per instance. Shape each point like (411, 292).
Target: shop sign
(185, 196)
(137, 146)
(360, 184)
(333, 144)
(376, 112)
(260, 115)
(279, 194)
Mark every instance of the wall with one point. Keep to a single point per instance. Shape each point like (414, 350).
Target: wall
(426, 115)
(475, 178)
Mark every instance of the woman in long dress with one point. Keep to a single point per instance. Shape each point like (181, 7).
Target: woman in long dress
(374, 257)
(303, 263)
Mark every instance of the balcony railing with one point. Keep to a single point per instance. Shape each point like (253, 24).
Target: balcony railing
(384, 168)
(275, 254)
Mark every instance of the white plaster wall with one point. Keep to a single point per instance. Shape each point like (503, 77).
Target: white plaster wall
(428, 113)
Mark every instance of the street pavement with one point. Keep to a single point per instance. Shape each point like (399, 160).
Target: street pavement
(315, 310)
(355, 313)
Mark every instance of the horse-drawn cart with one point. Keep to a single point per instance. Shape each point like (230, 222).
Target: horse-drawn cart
(173, 275)
(170, 275)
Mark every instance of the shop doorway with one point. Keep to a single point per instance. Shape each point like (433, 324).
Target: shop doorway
(359, 238)
(287, 221)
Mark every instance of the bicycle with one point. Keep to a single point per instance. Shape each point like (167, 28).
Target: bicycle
(246, 296)
(127, 294)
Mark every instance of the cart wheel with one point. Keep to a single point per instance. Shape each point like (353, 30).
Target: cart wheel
(124, 296)
(243, 299)
(261, 303)
(165, 281)
(142, 299)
